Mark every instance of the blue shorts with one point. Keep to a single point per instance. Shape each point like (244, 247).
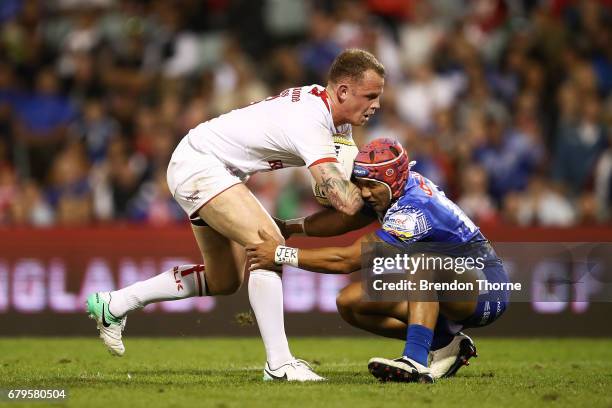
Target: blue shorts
(493, 304)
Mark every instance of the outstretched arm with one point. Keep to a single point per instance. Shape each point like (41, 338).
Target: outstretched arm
(333, 260)
(341, 193)
(325, 223)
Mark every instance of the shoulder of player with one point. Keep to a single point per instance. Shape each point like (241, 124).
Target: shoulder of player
(412, 202)
(317, 97)
(414, 194)
(308, 115)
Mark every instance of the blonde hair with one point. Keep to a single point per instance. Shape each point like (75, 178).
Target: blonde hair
(352, 63)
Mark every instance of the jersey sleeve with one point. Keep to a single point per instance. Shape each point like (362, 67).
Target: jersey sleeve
(404, 224)
(312, 139)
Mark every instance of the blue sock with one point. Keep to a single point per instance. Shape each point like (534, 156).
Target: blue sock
(418, 342)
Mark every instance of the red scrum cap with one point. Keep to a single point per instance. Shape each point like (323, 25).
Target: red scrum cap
(383, 160)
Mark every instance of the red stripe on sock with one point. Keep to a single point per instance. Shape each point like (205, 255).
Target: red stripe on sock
(195, 268)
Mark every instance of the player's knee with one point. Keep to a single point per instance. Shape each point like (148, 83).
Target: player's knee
(224, 288)
(344, 312)
(346, 302)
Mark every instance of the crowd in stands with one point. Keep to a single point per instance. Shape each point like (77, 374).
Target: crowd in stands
(506, 105)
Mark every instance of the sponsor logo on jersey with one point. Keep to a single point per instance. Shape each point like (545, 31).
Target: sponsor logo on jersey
(406, 223)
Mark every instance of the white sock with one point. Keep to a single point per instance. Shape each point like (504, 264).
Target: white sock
(266, 297)
(180, 282)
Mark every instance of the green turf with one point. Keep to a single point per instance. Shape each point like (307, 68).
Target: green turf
(227, 373)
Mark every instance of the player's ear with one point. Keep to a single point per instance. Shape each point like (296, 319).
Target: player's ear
(342, 92)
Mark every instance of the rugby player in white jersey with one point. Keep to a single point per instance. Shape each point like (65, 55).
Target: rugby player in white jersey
(206, 176)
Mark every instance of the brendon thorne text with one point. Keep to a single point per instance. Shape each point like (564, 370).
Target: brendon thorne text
(425, 285)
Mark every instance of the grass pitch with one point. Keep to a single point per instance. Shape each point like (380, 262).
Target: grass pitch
(222, 372)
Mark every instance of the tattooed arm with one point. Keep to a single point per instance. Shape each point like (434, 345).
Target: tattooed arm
(343, 195)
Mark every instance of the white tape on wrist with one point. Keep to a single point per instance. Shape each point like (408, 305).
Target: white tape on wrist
(285, 255)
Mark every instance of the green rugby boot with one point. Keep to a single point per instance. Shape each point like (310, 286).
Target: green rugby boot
(110, 327)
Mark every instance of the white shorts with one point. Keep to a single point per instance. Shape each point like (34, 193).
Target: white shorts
(195, 178)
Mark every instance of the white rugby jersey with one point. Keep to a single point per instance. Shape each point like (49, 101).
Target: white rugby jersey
(292, 129)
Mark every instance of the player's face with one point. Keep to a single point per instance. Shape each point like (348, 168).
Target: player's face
(362, 98)
(375, 194)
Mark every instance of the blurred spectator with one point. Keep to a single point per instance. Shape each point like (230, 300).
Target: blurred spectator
(445, 132)
(541, 205)
(31, 208)
(286, 19)
(587, 209)
(432, 162)
(511, 156)
(157, 150)
(236, 84)
(425, 93)
(569, 105)
(125, 173)
(392, 12)
(84, 80)
(603, 182)
(41, 122)
(378, 40)
(96, 130)
(82, 38)
(285, 69)
(479, 101)
(420, 36)
(579, 146)
(474, 199)
(8, 192)
(505, 81)
(22, 40)
(510, 212)
(8, 94)
(352, 17)
(173, 49)
(9, 9)
(320, 50)
(70, 192)
(483, 26)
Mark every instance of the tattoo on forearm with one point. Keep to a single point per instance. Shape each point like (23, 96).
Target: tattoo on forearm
(342, 194)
